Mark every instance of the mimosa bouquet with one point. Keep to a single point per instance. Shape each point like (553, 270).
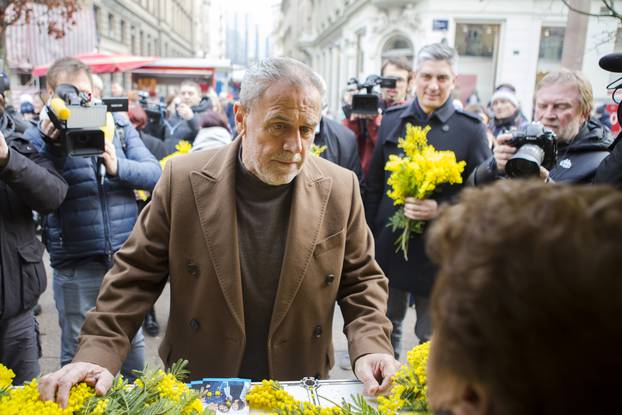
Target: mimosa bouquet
(408, 394)
(154, 392)
(417, 174)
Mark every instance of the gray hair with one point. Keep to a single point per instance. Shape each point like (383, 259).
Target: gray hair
(437, 52)
(261, 75)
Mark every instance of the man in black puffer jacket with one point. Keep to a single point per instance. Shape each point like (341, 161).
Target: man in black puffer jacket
(28, 181)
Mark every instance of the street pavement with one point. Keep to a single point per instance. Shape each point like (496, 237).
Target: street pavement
(50, 333)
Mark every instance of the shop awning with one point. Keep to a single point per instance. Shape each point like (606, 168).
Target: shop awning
(183, 67)
(104, 62)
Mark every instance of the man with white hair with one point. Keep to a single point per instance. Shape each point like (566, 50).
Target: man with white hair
(451, 129)
(564, 102)
(259, 240)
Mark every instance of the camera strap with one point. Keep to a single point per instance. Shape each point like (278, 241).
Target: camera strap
(120, 131)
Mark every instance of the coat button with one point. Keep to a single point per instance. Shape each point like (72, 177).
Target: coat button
(317, 332)
(445, 128)
(192, 268)
(330, 278)
(194, 324)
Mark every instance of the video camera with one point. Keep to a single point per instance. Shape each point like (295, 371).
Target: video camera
(368, 103)
(82, 123)
(536, 146)
(155, 110)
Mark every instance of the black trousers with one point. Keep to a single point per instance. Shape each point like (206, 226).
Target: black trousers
(20, 349)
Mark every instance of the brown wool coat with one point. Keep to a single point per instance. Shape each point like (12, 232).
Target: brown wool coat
(189, 230)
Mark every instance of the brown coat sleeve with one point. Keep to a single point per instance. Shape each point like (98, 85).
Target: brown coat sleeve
(363, 292)
(132, 285)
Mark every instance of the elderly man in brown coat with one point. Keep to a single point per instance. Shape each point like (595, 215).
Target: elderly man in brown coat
(260, 240)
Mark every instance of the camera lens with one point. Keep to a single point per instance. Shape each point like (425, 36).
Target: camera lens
(526, 162)
(80, 140)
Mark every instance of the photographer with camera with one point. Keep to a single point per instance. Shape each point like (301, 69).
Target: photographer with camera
(27, 181)
(451, 129)
(564, 103)
(183, 124)
(363, 117)
(100, 210)
(402, 72)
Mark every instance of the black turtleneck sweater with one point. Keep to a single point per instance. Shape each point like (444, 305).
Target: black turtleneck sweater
(263, 217)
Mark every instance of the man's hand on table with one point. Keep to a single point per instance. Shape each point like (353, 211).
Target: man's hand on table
(56, 386)
(375, 370)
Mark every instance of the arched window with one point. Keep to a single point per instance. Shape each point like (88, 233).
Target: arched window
(398, 46)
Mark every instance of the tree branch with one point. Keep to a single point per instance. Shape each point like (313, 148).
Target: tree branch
(574, 9)
(609, 5)
(21, 12)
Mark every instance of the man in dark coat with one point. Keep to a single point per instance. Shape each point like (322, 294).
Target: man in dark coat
(610, 170)
(28, 182)
(564, 103)
(452, 129)
(340, 144)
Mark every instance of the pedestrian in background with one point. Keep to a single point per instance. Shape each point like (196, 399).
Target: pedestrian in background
(506, 112)
(96, 217)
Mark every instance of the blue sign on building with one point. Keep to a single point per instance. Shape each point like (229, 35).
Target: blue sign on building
(440, 24)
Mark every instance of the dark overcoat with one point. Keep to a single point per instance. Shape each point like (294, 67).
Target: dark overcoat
(452, 129)
(28, 182)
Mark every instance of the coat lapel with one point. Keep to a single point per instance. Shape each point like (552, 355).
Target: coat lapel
(311, 192)
(214, 193)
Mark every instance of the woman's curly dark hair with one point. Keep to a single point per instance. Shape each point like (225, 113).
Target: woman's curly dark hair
(528, 299)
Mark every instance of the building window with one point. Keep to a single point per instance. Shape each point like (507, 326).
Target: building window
(97, 12)
(552, 43)
(110, 25)
(476, 39)
(398, 47)
(360, 54)
(123, 35)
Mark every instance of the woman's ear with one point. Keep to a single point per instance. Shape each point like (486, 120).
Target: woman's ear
(473, 401)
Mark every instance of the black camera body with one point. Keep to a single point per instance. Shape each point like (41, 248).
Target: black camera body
(81, 121)
(536, 146)
(368, 103)
(155, 110)
(204, 105)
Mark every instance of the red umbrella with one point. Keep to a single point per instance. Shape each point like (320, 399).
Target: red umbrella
(100, 62)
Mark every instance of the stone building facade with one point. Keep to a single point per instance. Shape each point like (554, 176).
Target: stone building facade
(499, 41)
(146, 27)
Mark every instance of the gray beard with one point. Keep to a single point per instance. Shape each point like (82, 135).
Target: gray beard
(568, 134)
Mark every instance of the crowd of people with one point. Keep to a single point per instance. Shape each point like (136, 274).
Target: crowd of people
(254, 229)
